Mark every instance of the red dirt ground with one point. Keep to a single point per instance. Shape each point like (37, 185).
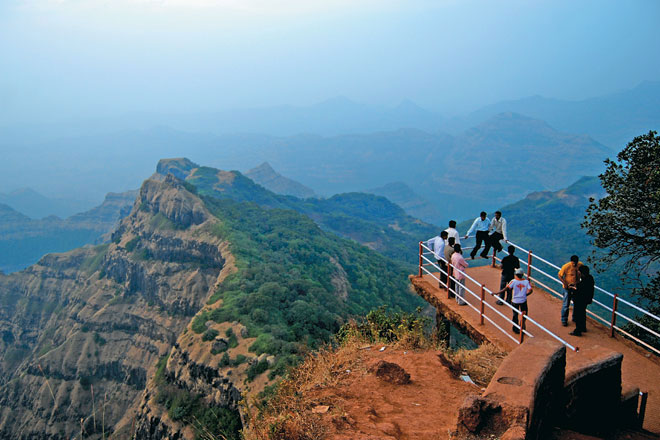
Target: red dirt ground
(364, 407)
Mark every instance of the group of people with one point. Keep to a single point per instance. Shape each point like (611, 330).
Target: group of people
(447, 248)
(578, 284)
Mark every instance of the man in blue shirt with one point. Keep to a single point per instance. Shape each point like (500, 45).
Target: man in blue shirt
(481, 225)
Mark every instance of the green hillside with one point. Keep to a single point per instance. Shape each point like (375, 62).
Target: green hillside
(366, 218)
(548, 224)
(296, 283)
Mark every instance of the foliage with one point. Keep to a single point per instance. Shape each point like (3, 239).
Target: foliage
(366, 218)
(99, 339)
(284, 292)
(210, 334)
(626, 222)
(382, 326)
(131, 244)
(207, 421)
(256, 369)
(161, 366)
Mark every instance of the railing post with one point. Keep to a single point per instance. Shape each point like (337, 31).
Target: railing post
(642, 408)
(494, 255)
(483, 297)
(522, 326)
(615, 303)
(420, 258)
(529, 264)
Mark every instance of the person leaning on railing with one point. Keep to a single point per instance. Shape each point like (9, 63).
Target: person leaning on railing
(498, 232)
(481, 225)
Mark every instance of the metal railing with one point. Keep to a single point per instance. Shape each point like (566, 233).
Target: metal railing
(534, 272)
(523, 318)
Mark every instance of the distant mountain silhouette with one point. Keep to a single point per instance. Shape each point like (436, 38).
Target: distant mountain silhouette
(510, 155)
(35, 205)
(23, 240)
(414, 204)
(267, 177)
(612, 119)
(502, 159)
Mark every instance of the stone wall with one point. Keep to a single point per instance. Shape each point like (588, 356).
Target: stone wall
(523, 398)
(533, 391)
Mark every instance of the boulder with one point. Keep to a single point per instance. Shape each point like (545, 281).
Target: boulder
(390, 372)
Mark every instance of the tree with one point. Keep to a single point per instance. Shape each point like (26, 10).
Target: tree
(626, 222)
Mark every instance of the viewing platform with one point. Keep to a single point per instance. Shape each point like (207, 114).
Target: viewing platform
(485, 321)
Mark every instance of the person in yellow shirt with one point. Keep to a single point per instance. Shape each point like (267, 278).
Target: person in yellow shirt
(569, 275)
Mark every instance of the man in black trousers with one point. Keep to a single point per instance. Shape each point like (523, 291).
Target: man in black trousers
(509, 265)
(582, 296)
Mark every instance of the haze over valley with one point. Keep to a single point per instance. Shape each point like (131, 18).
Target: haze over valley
(212, 213)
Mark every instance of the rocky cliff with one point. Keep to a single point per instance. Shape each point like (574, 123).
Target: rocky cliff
(82, 332)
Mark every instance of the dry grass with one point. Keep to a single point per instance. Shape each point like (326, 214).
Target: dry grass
(288, 414)
(480, 364)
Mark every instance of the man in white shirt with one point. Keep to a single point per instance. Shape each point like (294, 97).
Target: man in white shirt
(481, 225)
(498, 232)
(453, 232)
(437, 245)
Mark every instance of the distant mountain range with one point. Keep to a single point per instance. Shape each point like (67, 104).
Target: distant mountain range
(410, 201)
(35, 205)
(487, 166)
(24, 240)
(613, 119)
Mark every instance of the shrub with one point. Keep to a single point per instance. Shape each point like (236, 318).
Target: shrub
(210, 334)
(256, 369)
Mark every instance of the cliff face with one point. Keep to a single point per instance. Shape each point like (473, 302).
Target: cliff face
(82, 332)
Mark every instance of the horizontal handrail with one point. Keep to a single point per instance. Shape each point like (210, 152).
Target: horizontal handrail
(612, 310)
(533, 269)
(470, 292)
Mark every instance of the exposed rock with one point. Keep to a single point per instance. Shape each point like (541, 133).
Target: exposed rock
(390, 372)
(475, 412)
(219, 345)
(99, 319)
(514, 433)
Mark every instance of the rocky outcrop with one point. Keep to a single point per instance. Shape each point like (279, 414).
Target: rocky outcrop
(89, 326)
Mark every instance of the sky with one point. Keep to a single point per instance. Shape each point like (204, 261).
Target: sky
(81, 58)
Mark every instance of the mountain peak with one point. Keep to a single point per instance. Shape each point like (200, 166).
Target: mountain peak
(270, 179)
(180, 167)
(264, 167)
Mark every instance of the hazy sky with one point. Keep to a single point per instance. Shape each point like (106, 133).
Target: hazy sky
(80, 58)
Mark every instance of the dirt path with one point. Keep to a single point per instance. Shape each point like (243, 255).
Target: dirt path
(640, 369)
(370, 408)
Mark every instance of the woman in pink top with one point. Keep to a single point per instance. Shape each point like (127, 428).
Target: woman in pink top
(459, 264)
